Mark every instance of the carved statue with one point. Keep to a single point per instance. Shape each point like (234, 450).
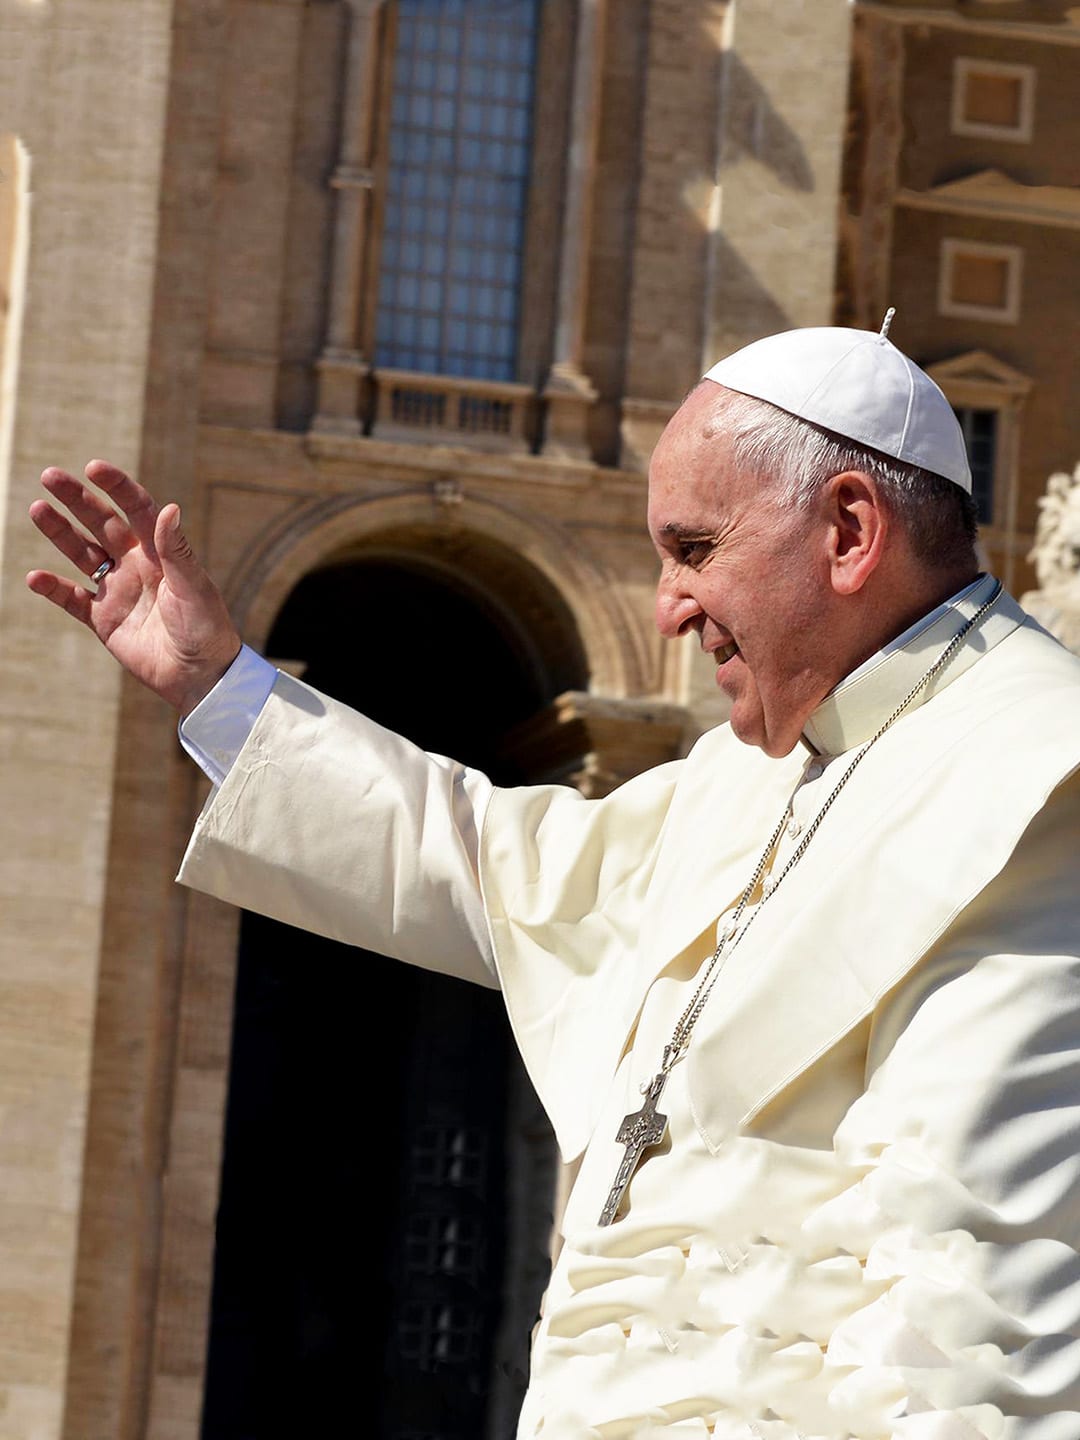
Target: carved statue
(1056, 556)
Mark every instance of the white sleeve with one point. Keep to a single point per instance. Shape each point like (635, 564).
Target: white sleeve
(329, 822)
(217, 729)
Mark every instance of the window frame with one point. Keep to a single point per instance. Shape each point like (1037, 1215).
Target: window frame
(978, 380)
(994, 409)
(964, 66)
(543, 192)
(953, 248)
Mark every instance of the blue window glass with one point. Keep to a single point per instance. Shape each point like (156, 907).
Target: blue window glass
(459, 160)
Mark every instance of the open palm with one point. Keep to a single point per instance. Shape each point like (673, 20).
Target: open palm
(156, 610)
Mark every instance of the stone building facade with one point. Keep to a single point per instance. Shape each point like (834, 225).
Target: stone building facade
(962, 209)
(204, 258)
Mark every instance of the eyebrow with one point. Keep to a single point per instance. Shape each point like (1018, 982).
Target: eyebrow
(674, 530)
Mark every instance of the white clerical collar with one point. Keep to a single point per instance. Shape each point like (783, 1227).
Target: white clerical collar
(851, 713)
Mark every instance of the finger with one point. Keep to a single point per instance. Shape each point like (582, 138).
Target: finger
(109, 528)
(68, 596)
(86, 555)
(136, 502)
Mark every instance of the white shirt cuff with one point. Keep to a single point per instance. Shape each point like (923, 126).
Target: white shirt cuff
(217, 729)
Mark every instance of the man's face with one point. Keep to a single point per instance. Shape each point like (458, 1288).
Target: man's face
(747, 573)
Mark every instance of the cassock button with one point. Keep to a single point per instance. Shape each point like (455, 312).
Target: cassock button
(793, 828)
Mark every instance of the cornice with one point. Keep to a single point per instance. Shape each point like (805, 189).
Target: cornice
(364, 454)
(981, 20)
(994, 195)
(980, 367)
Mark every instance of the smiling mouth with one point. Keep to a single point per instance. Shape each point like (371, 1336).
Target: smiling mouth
(723, 653)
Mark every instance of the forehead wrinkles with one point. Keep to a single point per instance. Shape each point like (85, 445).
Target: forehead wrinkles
(697, 482)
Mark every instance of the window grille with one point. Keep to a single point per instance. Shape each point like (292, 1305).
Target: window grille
(449, 1155)
(459, 158)
(445, 1245)
(431, 1335)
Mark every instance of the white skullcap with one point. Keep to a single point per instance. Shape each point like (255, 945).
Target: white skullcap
(856, 384)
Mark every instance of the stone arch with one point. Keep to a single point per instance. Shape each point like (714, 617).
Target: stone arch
(437, 1021)
(512, 553)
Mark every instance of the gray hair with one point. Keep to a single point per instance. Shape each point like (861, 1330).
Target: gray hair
(938, 516)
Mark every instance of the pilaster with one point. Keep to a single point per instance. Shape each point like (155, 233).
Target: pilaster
(243, 352)
(875, 137)
(343, 367)
(569, 391)
(675, 197)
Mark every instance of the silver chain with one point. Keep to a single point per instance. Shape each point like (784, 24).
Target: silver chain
(684, 1026)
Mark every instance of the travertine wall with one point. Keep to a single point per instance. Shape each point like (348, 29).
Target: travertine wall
(737, 210)
(82, 85)
(772, 261)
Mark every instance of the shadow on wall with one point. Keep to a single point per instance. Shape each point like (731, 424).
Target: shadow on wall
(751, 128)
(742, 304)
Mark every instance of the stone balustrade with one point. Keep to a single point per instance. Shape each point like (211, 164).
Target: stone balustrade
(486, 414)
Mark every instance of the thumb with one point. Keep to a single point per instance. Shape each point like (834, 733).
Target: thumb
(182, 570)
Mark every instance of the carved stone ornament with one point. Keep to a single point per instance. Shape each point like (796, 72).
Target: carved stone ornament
(448, 491)
(1056, 557)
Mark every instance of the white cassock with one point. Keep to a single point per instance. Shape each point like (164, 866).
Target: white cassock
(865, 1219)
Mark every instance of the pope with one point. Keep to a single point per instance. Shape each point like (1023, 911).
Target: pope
(805, 1006)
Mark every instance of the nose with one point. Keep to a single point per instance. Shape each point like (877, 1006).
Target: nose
(677, 612)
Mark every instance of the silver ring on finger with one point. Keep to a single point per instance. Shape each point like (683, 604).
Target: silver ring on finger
(102, 570)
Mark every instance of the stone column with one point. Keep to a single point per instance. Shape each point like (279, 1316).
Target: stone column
(569, 391)
(343, 367)
(878, 128)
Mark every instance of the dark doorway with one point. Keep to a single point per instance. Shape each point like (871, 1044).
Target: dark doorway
(359, 1266)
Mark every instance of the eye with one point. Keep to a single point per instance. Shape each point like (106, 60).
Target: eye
(694, 552)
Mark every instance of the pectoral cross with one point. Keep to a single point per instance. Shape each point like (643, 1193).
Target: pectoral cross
(637, 1132)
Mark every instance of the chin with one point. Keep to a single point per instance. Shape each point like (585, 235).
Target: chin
(755, 732)
(776, 747)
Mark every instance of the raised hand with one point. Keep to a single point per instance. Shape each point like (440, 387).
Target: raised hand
(156, 609)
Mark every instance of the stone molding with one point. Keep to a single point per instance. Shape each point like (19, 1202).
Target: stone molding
(991, 194)
(307, 533)
(1065, 31)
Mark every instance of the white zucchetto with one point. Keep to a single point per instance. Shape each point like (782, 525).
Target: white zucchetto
(857, 384)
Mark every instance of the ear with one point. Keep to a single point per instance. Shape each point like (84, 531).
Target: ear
(858, 523)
